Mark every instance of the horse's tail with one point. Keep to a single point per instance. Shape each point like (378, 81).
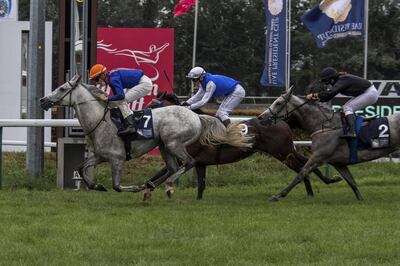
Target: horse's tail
(214, 132)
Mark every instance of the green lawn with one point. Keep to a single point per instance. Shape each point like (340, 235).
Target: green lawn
(233, 225)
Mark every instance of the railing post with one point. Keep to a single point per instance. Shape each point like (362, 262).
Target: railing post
(1, 156)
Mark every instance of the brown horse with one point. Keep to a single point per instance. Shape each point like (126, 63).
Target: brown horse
(274, 139)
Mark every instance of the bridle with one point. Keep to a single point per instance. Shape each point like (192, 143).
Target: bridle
(275, 115)
(69, 92)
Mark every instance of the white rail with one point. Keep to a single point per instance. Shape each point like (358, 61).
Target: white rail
(39, 123)
(72, 123)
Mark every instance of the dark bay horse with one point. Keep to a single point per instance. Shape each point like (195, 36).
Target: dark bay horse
(273, 139)
(325, 129)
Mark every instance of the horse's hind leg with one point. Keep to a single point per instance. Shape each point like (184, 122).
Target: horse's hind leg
(345, 172)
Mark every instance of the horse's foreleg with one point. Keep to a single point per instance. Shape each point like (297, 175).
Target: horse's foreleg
(86, 171)
(326, 179)
(201, 180)
(116, 169)
(294, 164)
(307, 168)
(345, 172)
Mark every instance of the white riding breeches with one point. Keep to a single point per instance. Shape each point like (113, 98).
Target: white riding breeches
(142, 89)
(370, 96)
(123, 107)
(230, 102)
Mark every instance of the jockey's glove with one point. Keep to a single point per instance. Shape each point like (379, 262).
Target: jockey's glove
(104, 98)
(185, 104)
(312, 96)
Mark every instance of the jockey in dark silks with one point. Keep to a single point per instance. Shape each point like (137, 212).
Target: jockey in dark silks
(218, 86)
(363, 93)
(137, 84)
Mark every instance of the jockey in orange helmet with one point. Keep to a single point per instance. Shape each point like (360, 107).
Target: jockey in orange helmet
(137, 84)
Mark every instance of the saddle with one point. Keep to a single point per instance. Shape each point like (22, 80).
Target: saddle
(144, 123)
(372, 133)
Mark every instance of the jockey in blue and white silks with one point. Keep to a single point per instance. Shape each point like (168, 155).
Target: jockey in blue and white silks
(137, 84)
(218, 86)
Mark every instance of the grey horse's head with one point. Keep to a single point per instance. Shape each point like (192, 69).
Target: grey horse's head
(59, 95)
(279, 108)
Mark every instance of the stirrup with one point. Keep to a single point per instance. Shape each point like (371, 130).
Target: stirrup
(127, 131)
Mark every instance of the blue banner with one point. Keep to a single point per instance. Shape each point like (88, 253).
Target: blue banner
(334, 19)
(274, 73)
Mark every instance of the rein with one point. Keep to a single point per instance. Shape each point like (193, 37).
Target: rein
(287, 113)
(324, 128)
(106, 109)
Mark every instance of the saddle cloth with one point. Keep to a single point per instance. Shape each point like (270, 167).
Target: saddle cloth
(371, 134)
(144, 119)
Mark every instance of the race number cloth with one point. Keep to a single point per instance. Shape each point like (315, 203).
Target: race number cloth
(145, 127)
(145, 118)
(371, 134)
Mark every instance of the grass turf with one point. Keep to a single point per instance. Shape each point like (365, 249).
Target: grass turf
(233, 225)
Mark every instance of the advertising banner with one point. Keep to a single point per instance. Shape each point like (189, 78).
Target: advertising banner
(274, 73)
(148, 49)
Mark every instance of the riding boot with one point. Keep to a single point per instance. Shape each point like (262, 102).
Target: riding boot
(226, 122)
(130, 126)
(351, 132)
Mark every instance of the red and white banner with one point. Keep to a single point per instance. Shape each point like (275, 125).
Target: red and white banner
(148, 49)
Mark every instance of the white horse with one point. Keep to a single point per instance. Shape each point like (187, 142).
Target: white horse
(174, 127)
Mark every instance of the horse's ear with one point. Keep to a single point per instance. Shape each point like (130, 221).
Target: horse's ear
(75, 79)
(290, 90)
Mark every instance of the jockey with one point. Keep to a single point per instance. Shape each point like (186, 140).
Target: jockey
(219, 86)
(363, 93)
(137, 84)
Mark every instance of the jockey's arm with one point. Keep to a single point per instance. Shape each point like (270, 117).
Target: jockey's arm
(118, 90)
(197, 97)
(210, 89)
(327, 95)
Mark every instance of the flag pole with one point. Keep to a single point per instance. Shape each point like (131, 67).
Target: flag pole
(194, 41)
(288, 18)
(366, 38)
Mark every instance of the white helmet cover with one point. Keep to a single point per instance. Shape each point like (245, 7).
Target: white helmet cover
(195, 73)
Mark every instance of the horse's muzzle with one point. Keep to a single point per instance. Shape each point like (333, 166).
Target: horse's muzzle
(45, 103)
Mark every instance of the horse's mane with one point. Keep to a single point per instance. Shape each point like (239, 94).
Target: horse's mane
(96, 92)
(171, 97)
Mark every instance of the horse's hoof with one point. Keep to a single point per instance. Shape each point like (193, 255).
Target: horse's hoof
(146, 195)
(169, 191)
(100, 187)
(336, 179)
(138, 188)
(274, 198)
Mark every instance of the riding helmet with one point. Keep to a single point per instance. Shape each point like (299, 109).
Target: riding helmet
(97, 70)
(328, 73)
(196, 72)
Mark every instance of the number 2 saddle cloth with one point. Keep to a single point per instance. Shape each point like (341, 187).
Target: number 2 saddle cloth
(372, 133)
